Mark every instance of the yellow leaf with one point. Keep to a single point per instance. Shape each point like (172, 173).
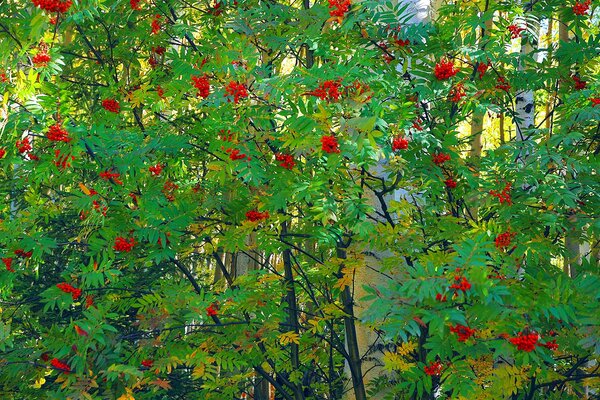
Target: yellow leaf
(315, 325)
(38, 383)
(127, 395)
(395, 362)
(84, 189)
(406, 348)
(289, 337)
(199, 371)
(346, 279)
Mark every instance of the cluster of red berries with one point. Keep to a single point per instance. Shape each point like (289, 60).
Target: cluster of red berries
(460, 283)
(124, 244)
(358, 90)
(400, 42)
(450, 183)
(329, 144)
(111, 105)
(440, 158)
(23, 254)
(8, 264)
(211, 310)
(463, 332)
(2, 153)
(502, 84)
(457, 93)
(328, 90)
(286, 161)
(525, 342)
(503, 240)
(155, 169)
(62, 160)
(156, 24)
(445, 69)
(65, 287)
(441, 297)
(135, 4)
(99, 208)
(515, 31)
(434, 368)
(504, 196)
(387, 56)
(237, 90)
(235, 154)
(399, 143)
(114, 176)
(254, 215)
(551, 345)
(579, 83)
(169, 189)
(417, 124)
(56, 363)
(23, 146)
(339, 8)
(57, 133)
(147, 363)
(160, 50)
(482, 69)
(202, 84)
(595, 102)
(53, 6)
(582, 8)
(41, 59)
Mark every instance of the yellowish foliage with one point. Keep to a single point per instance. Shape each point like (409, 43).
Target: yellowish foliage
(406, 348)
(289, 337)
(128, 395)
(199, 371)
(396, 362)
(508, 379)
(346, 279)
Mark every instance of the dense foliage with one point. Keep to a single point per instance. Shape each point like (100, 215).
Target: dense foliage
(203, 197)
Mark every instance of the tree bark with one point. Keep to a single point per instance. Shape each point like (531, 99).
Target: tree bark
(354, 358)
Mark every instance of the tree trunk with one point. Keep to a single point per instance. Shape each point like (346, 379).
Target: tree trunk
(352, 340)
(479, 114)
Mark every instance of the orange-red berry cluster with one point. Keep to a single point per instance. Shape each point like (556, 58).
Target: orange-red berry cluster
(57, 133)
(581, 8)
(434, 368)
(463, 332)
(111, 105)
(53, 5)
(504, 196)
(339, 8)
(440, 158)
(65, 287)
(124, 244)
(286, 161)
(399, 143)
(329, 144)
(237, 90)
(515, 31)
(445, 69)
(254, 215)
(202, 84)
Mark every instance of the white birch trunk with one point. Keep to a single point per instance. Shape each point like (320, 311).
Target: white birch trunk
(369, 344)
